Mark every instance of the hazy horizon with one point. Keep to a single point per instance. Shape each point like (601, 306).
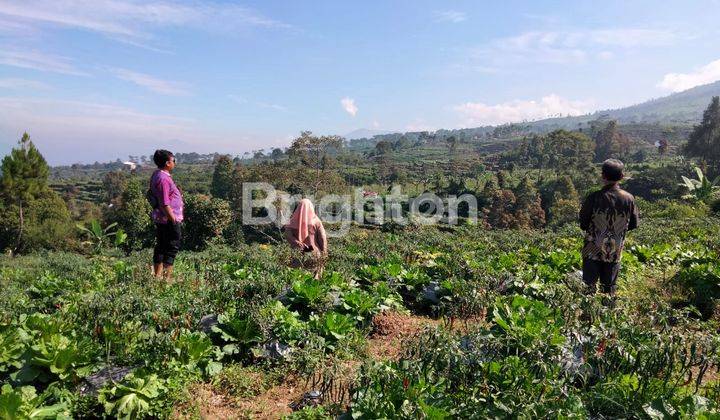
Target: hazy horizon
(100, 80)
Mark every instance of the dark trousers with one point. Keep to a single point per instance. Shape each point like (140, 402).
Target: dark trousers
(167, 245)
(606, 272)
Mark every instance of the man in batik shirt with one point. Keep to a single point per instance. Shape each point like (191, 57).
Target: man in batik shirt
(606, 216)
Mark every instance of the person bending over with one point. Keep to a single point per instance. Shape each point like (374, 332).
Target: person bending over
(606, 216)
(167, 214)
(305, 232)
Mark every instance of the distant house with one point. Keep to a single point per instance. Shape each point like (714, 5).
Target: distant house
(130, 166)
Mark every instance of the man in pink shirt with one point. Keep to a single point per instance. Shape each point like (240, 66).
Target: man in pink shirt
(167, 214)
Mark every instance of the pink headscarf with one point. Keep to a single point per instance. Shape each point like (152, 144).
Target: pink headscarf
(301, 220)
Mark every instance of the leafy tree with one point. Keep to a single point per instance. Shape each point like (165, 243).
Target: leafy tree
(114, 184)
(704, 141)
(488, 193)
(501, 212)
(205, 220)
(317, 154)
(277, 154)
(565, 188)
(609, 141)
(24, 178)
(503, 179)
(402, 143)
(532, 153)
(568, 150)
(47, 224)
(383, 147)
(528, 209)
(565, 204)
(657, 182)
(223, 179)
(560, 150)
(132, 215)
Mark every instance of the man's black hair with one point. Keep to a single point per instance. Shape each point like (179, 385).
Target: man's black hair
(161, 157)
(612, 170)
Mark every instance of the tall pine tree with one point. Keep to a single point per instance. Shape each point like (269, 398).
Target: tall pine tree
(24, 178)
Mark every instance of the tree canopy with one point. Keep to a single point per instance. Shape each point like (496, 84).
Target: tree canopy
(561, 150)
(704, 141)
(24, 172)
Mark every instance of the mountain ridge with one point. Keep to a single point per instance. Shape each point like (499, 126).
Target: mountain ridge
(683, 108)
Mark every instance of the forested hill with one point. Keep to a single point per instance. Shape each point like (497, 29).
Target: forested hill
(684, 107)
(678, 109)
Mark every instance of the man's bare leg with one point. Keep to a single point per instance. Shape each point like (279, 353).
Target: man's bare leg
(158, 269)
(168, 273)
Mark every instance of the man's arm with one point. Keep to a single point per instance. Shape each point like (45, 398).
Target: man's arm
(292, 240)
(169, 213)
(586, 213)
(164, 190)
(634, 217)
(322, 239)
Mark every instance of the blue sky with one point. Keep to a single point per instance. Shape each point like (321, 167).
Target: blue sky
(101, 79)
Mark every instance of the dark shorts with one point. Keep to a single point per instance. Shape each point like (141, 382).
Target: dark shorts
(168, 240)
(606, 272)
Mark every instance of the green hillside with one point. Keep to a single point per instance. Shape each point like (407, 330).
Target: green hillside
(680, 110)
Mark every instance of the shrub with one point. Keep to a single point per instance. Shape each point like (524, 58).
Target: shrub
(205, 220)
(657, 182)
(702, 283)
(133, 217)
(47, 224)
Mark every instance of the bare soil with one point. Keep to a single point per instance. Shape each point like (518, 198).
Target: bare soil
(207, 404)
(389, 331)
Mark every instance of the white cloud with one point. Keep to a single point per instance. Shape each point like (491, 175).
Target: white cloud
(632, 37)
(276, 107)
(677, 82)
(349, 106)
(450, 16)
(164, 87)
(13, 83)
(478, 113)
(563, 47)
(36, 60)
(375, 124)
(131, 20)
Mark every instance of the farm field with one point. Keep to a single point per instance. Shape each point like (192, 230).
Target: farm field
(421, 322)
(328, 210)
